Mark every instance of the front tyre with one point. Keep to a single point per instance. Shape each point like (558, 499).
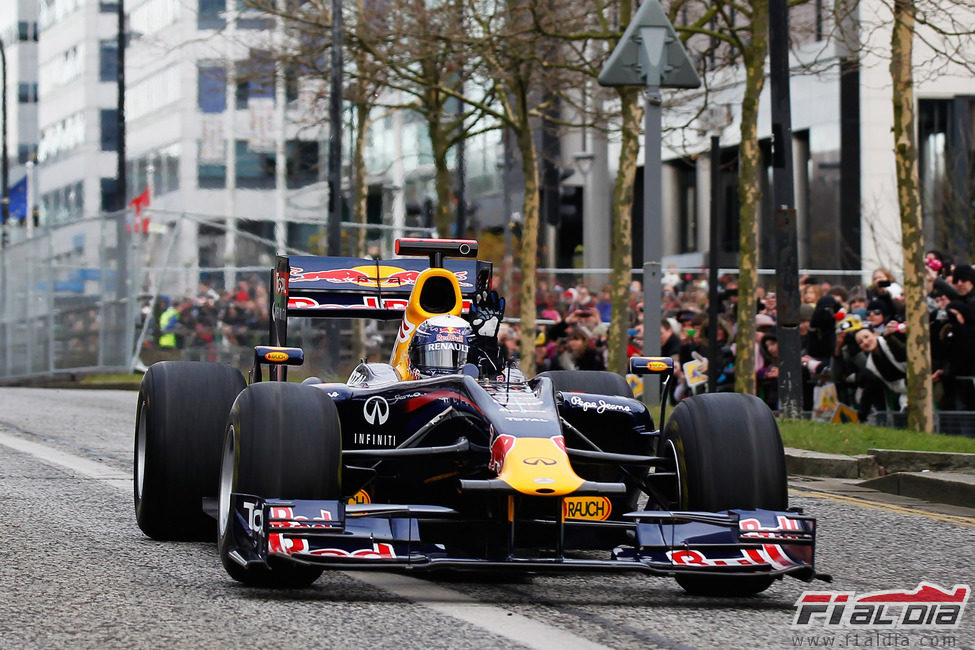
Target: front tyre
(180, 419)
(729, 456)
(283, 441)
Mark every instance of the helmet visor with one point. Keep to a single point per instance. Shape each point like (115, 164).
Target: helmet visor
(439, 355)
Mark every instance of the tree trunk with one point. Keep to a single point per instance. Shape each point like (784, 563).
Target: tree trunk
(529, 247)
(621, 245)
(920, 410)
(750, 170)
(361, 188)
(443, 217)
(360, 193)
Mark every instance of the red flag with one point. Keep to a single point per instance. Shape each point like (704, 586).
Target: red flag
(139, 202)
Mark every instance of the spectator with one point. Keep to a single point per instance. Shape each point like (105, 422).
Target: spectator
(577, 353)
(168, 322)
(885, 359)
(767, 376)
(878, 313)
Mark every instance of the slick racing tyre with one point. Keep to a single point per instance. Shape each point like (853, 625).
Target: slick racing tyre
(180, 418)
(729, 455)
(600, 382)
(283, 441)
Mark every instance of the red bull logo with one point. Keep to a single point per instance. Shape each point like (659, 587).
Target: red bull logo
(450, 334)
(387, 277)
(499, 449)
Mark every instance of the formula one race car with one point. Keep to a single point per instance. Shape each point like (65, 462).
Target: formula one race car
(404, 466)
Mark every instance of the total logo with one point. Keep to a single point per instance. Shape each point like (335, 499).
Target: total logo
(376, 410)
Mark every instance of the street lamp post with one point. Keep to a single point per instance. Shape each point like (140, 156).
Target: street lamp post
(120, 234)
(5, 173)
(650, 55)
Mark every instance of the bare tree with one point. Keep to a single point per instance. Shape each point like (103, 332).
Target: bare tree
(920, 413)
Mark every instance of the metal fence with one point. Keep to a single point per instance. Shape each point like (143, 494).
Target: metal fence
(81, 298)
(65, 305)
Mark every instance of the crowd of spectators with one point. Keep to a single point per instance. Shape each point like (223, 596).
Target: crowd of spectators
(853, 339)
(210, 319)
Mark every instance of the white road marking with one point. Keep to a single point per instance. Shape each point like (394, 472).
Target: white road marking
(84, 466)
(496, 620)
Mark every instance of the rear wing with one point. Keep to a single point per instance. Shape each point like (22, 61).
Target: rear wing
(351, 287)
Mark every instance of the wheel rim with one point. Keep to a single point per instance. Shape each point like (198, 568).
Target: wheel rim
(226, 478)
(140, 451)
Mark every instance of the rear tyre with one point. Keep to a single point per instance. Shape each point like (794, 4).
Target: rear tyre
(729, 455)
(283, 441)
(600, 382)
(180, 418)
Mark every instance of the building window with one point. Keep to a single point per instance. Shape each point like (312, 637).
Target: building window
(27, 93)
(108, 190)
(27, 31)
(212, 89)
(108, 61)
(254, 170)
(211, 176)
(303, 163)
(109, 121)
(107, 6)
(209, 14)
(255, 77)
(686, 176)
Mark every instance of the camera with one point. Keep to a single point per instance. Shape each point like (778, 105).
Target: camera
(883, 284)
(933, 263)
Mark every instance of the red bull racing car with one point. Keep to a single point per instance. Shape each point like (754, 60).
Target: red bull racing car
(474, 468)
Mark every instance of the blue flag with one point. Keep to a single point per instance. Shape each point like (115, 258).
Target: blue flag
(18, 199)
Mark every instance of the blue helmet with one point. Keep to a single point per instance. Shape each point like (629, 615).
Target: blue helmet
(439, 346)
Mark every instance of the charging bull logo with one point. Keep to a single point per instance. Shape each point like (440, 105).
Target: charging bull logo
(383, 276)
(499, 449)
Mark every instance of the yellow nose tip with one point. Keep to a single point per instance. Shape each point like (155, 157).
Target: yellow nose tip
(539, 466)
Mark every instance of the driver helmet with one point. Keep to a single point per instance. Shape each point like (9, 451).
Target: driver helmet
(439, 346)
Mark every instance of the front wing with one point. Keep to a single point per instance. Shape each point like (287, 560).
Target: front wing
(379, 536)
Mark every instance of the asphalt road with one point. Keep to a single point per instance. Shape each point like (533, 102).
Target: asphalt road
(75, 570)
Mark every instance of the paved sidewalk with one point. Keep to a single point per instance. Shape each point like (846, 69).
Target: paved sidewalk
(935, 477)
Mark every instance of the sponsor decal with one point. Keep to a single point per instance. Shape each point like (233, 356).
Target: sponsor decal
(376, 410)
(359, 498)
(518, 419)
(379, 550)
(284, 517)
(280, 283)
(372, 440)
(753, 529)
(924, 607)
(441, 344)
(369, 276)
(366, 303)
(600, 406)
(591, 508)
(768, 555)
(276, 357)
(499, 449)
(539, 460)
(658, 366)
(283, 545)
